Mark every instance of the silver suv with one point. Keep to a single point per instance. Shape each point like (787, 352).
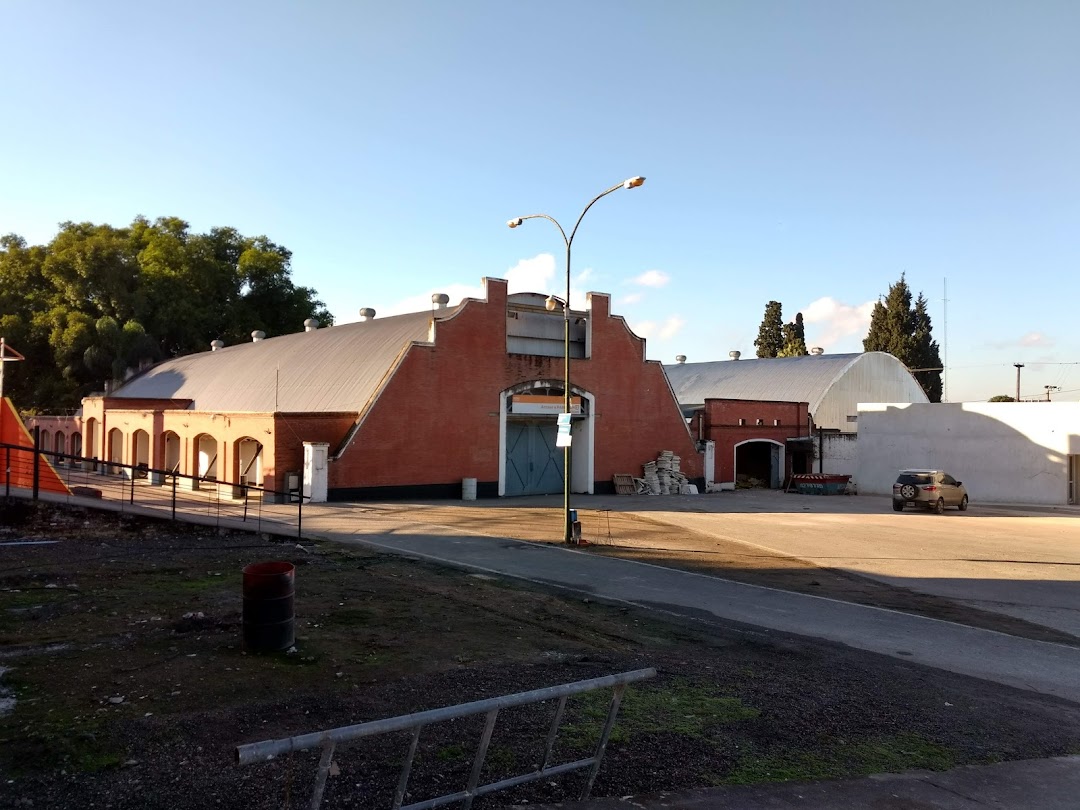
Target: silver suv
(930, 489)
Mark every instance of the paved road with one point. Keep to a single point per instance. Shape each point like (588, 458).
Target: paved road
(1022, 564)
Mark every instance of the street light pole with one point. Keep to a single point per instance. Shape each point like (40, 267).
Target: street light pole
(1018, 367)
(550, 303)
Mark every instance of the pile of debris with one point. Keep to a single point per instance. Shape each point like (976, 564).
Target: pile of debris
(662, 477)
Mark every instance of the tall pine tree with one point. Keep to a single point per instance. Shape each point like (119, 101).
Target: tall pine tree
(770, 338)
(794, 338)
(905, 332)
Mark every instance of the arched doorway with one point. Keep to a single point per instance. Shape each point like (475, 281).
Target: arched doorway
(140, 457)
(759, 463)
(76, 446)
(206, 457)
(115, 450)
(528, 439)
(44, 439)
(59, 447)
(170, 446)
(248, 461)
(90, 448)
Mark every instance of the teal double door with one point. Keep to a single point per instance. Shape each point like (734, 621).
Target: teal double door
(534, 465)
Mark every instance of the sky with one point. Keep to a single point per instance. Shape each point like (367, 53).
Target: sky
(804, 152)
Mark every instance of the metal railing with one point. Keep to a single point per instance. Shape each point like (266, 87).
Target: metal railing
(328, 740)
(160, 491)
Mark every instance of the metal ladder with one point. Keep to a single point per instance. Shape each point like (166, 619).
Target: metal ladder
(329, 739)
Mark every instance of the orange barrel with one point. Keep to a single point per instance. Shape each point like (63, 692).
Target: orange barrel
(268, 606)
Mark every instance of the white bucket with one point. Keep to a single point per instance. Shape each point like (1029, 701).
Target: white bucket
(468, 489)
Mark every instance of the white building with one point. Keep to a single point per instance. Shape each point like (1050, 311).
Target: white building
(1005, 452)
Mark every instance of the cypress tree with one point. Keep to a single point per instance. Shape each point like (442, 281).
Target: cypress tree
(770, 339)
(794, 338)
(906, 333)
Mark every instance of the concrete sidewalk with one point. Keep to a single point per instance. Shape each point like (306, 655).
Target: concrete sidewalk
(1041, 784)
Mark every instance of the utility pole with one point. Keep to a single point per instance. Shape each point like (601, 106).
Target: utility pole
(1050, 388)
(1018, 367)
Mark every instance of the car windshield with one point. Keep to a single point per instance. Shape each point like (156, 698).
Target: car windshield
(914, 478)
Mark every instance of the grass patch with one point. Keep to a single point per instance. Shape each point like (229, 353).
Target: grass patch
(893, 754)
(680, 708)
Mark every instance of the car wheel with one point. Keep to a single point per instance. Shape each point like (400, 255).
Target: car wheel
(963, 504)
(939, 507)
(898, 506)
(908, 491)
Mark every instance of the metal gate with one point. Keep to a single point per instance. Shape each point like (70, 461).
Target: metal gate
(534, 465)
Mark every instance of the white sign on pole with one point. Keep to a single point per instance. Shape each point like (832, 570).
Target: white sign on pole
(563, 439)
(563, 420)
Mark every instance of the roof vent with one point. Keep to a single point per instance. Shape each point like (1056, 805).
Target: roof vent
(817, 350)
(440, 300)
(258, 335)
(680, 359)
(216, 344)
(367, 314)
(734, 355)
(310, 325)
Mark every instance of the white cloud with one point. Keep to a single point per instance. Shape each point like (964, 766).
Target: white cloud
(836, 320)
(1036, 339)
(538, 275)
(632, 298)
(671, 327)
(664, 330)
(651, 278)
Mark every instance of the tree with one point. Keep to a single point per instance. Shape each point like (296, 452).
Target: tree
(794, 338)
(906, 333)
(1002, 398)
(770, 339)
(99, 300)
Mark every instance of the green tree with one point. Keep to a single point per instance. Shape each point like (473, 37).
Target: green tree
(905, 331)
(98, 301)
(1002, 398)
(794, 338)
(770, 339)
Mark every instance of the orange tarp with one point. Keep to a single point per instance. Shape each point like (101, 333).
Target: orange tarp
(14, 432)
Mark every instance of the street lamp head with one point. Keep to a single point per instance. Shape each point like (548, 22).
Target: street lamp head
(550, 303)
(633, 182)
(514, 223)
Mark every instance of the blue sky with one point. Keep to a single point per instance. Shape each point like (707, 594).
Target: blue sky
(807, 152)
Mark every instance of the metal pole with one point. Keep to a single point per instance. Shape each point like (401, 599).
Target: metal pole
(37, 460)
(1018, 367)
(568, 534)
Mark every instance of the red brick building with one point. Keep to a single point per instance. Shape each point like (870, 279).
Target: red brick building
(404, 406)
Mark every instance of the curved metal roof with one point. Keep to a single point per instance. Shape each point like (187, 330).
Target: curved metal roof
(777, 379)
(336, 369)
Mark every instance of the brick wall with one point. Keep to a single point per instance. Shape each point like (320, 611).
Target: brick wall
(720, 422)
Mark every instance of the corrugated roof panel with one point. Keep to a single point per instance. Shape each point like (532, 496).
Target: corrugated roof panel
(779, 379)
(328, 370)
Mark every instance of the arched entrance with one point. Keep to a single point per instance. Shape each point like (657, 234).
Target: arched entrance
(76, 446)
(44, 441)
(248, 461)
(115, 450)
(759, 462)
(140, 457)
(90, 448)
(528, 431)
(59, 447)
(206, 457)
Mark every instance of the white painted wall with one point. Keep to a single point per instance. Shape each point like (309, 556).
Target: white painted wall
(1005, 452)
(840, 454)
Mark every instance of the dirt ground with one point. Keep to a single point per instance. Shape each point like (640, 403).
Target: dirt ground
(126, 685)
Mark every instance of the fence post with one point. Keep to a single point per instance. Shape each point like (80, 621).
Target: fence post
(37, 460)
(131, 498)
(7, 472)
(299, 515)
(174, 477)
